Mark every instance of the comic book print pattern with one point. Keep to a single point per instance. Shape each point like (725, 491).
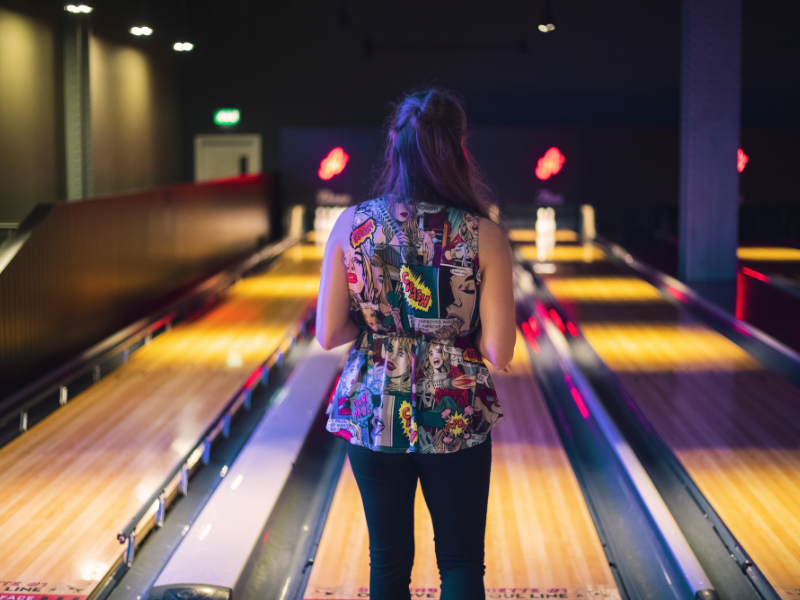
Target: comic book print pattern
(414, 382)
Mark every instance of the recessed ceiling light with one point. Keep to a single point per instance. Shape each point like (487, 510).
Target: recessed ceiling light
(78, 8)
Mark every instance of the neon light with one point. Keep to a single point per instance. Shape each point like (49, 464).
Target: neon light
(333, 164)
(740, 301)
(755, 274)
(549, 164)
(141, 31)
(227, 116)
(534, 325)
(572, 329)
(183, 46)
(741, 160)
(526, 330)
(254, 376)
(679, 295)
(557, 320)
(579, 401)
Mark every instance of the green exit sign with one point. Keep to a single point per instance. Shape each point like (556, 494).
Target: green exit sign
(227, 116)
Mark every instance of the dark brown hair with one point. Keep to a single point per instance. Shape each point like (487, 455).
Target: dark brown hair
(426, 152)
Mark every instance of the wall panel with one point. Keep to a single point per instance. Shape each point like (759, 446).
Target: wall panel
(91, 267)
(29, 108)
(134, 117)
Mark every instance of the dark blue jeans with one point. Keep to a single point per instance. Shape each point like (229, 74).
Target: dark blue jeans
(456, 490)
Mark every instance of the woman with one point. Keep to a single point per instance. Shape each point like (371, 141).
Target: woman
(450, 305)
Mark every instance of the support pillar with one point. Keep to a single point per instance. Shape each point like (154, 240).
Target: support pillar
(77, 107)
(710, 131)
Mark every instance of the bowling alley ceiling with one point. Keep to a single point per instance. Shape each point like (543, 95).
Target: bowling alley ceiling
(599, 52)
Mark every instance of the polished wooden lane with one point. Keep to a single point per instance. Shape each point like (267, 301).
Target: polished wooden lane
(540, 538)
(733, 424)
(586, 253)
(70, 484)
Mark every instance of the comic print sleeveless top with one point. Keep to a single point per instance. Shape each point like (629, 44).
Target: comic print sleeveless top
(414, 381)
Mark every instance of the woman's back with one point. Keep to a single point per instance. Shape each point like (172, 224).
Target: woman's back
(414, 380)
(413, 269)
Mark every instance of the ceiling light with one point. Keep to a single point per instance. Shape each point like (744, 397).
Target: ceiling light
(78, 8)
(183, 46)
(546, 22)
(141, 30)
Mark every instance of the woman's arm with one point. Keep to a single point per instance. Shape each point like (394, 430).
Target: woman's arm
(334, 326)
(497, 335)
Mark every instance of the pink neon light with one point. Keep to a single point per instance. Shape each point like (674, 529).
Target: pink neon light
(755, 274)
(253, 377)
(534, 325)
(526, 330)
(741, 160)
(740, 300)
(333, 164)
(572, 329)
(579, 401)
(540, 308)
(557, 320)
(549, 164)
(679, 295)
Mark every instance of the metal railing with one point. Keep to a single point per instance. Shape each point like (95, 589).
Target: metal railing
(156, 503)
(19, 404)
(549, 311)
(678, 292)
(541, 318)
(6, 229)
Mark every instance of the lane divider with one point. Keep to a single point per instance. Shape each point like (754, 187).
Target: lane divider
(590, 405)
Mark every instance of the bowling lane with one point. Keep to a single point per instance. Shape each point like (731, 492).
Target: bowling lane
(733, 424)
(72, 482)
(540, 536)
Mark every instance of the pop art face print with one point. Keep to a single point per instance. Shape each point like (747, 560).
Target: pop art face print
(414, 381)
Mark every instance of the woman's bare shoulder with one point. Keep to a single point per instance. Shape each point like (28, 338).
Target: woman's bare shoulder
(492, 240)
(340, 234)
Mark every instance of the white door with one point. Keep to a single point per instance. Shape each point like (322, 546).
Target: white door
(218, 156)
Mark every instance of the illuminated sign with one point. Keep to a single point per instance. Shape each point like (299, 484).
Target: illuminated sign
(549, 164)
(333, 164)
(741, 160)
(227, 116)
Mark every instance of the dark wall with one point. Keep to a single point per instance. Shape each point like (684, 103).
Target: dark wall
(135, 134)
(134, 95)
(92, 267)
(606, 82)
(31, 150)
(303, 65)
(626, 173)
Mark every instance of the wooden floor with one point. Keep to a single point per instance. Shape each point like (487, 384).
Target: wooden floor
(540, 537)
(733, 424)
(68, 485)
